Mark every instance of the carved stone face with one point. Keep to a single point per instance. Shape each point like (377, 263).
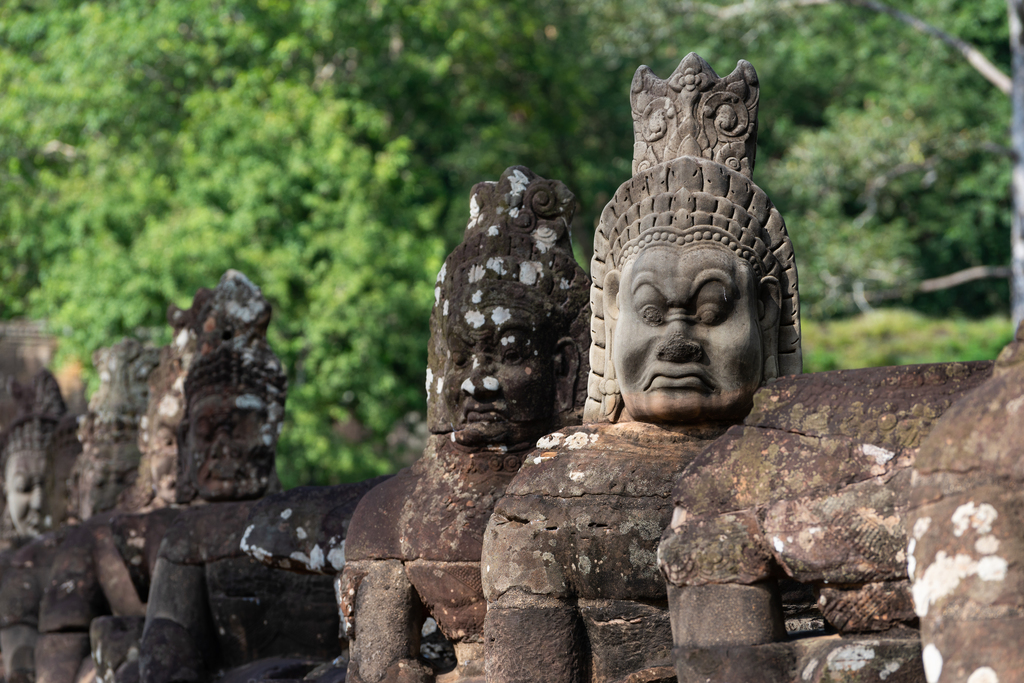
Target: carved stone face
(687, 326)
(24, 486)
(506, 379)
(227, 446)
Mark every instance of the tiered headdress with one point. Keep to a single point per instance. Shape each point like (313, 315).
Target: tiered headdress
(233, 358)
(695, 136)
(517, 254)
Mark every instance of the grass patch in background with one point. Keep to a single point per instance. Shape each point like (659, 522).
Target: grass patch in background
(896, 336)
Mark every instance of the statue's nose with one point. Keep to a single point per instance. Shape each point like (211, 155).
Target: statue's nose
(680, 349)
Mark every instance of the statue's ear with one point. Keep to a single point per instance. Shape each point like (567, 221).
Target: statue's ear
(611, 295)
(769, 303)
(566, 368)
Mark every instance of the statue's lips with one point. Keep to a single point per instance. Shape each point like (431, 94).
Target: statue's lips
(688, 376)
(484, 412)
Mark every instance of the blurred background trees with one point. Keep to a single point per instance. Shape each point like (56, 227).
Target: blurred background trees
(326, 148)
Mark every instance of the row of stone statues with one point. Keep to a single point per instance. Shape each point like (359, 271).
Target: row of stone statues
(627, 478)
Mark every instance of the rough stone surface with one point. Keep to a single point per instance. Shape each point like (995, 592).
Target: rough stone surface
(115, 643)
(965, 546)
(814, 487)
(109, 431)
(304, 529)
(580, 524)
(507, 363)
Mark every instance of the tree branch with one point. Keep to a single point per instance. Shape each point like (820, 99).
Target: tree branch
(937, 284)
(992, 73)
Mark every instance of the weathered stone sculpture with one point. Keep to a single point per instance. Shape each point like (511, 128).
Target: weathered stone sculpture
(966, 546)
(694, 307)
(813, 488)
(35, 444)
(109, 432)
(508, 332)
(25, 445)
(211, 607)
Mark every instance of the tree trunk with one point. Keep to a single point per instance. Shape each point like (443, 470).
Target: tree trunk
(1016, 9)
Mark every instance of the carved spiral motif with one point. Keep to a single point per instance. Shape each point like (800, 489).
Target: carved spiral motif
(542, 200)
(656, 119)
(728, 113)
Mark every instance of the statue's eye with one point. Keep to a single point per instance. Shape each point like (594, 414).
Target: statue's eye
(460, 359)
(710, 314)
(512, 356)
(652, 315)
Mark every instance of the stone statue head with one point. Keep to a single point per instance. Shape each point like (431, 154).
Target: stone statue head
(25, 445)
(235, 394)
(158, 429)
(695, 287)
(109, 430)
(507, 353)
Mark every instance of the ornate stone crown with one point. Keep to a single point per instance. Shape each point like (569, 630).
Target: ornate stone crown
(695, 113)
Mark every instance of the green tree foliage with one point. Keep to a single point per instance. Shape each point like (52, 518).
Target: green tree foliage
(326, 148)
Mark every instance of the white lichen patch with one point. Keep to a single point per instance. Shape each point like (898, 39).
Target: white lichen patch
(475, 318)
(301, 533)
(577, 476)
(584, 564)
(921, 527)
(443, 273)
(440, 384)
(491, 383)
(286, 514)
(850, 657)
(544, 238)
(182, 339)
(336, 557)
(778, 544)
(877, 453)
(474, 212)
(444, 309)
(564, 284)
(944, 574)
(500, 315)
(476, 273)
(249, 402)
(979, 517)
(437, 295)
(518, 181)
(580, 440)
(550, 441)
(493, 231)
(254, 551)
(497, 264)
(932, 659)
(478, 296)
(316, 558)
(987, 545)
(430, 379)
(985, 674)
(468, 387)
(508, 339)
(889, 669)
(529, 271)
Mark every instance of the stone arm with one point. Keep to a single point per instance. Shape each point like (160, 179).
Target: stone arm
(303, 530)
(178, 624)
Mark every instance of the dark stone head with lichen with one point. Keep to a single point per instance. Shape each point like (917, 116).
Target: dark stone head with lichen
(234, 392)
(509, 328)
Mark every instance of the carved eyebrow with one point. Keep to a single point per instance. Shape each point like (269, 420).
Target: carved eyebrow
(714, 274)
(705, 276)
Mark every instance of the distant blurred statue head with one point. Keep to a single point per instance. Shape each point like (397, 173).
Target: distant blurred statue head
(25, 445)
(235, 395)
(507, 356)
(695, 285)
(109, 431)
